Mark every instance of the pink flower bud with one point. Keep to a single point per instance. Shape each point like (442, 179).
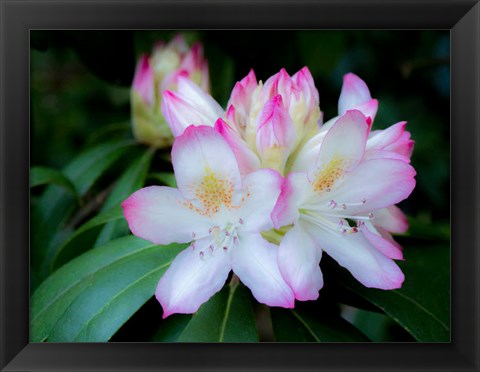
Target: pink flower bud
(275, 133)
(157, 73)
(143, 82)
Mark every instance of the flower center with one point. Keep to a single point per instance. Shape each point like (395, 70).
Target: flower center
(222, 239)
(211, 194)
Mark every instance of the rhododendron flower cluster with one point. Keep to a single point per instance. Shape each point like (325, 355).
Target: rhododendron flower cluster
(265, 188)
(156, 73)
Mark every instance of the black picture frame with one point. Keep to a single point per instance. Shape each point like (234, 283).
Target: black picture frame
(18, 17)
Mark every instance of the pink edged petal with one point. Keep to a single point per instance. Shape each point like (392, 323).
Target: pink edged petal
(199, 99)
(354, 252)
(275, 129)
(356, 95)
(404, 145)
(202, 152)
(369, 109)
(158, 214)
(344, 144)
(254, 261)
(170, 80)
(179, 114)
(193, 59)
(262, 189)
(236, 121)
(382, 138)
(247, 160)
(305, 83)
(295, 191)
(241, 95)
(193, 278)
(388, 236)
(280, 83)
(378, 241)
(374, 184)
(391, 219)
(383, 154)
(298, 259)
(143, 81)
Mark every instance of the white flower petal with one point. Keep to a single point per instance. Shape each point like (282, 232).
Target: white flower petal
(354, 252)
(254, 260)
(159, 214)
(299, 258)
(262, 189)
(193, 278)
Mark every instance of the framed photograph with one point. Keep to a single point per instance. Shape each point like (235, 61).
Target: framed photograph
(231, 186)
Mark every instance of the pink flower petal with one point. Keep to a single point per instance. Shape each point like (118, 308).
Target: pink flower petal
(159, 214)
(403, 146)
(262, 190)
(193, 59)
(202, 152)
(391, 219)
(343, 146)
(355, 95)
(199, 99)
(354, 252)
(295, 190)
(280, 83)
(382, 138)
(383, 245)
(247, 160)
(193, 278)
(255, 263)
(374, 184)
(275, 128)
(143, 81)
(241, 95)
(299, 259)
(179, 113)
(383, 154)
(305, 83)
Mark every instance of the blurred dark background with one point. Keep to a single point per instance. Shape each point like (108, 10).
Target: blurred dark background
(80, 89)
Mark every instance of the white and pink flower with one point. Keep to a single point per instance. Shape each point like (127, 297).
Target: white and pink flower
(341, 184)
(332, 204)
(221, 214)
(156, 73)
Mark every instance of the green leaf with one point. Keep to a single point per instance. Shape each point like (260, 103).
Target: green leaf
(132, 180)
(72, 247)
(90, 297)
(171, 328)
(297, 325)
(43, 176)
(422, 305)
(226, 317)
(55, 204)
(165, 178)
(378, 327)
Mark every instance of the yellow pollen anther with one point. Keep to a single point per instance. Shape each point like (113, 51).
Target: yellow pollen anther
(328, 174)
(212, 192)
